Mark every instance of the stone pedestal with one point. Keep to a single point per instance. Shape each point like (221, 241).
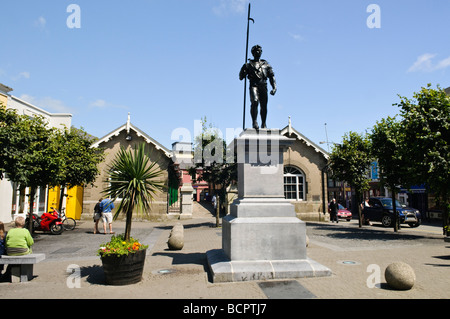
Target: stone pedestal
(186, 201)
(261, 237)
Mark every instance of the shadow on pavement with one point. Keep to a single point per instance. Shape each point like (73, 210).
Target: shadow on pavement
(346, 231)
(94, 274)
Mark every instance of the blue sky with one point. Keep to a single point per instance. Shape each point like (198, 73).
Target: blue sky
(172, 62)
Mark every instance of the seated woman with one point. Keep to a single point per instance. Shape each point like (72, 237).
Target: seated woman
(19, 240)
(2, 242)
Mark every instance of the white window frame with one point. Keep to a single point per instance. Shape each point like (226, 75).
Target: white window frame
(294, 183)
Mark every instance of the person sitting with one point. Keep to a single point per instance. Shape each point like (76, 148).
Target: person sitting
(19, 240)
(3, 234)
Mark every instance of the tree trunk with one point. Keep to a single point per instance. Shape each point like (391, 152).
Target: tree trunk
(128, 223)
(445, 217)
(30, 217)
(394, 209)
(217, 211)
(61, 197)
(358, 206)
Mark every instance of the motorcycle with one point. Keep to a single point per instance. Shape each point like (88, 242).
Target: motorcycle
(48, 222)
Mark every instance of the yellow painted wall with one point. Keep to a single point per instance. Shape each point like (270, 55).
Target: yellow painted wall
(53, 197)
(74, 204)
(74, 200)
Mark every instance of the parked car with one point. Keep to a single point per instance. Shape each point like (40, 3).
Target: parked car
(381, 210)
(343, 213)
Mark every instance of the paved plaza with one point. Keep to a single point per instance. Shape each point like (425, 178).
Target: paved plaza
(356, 256)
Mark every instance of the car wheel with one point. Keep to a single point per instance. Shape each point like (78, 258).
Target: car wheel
(386, 221)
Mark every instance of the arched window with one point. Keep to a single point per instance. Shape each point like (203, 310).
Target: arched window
(294, 183)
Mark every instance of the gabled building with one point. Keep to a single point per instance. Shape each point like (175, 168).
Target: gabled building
(304, 173)
(128, 136)
(305, 178)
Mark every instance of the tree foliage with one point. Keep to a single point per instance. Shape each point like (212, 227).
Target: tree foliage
(426, 126)
(26, 149)
(34, 155)
(412, 150)
(210, 151)
(80, 164)
(26, 152)
(78, 161)
(388, 149)
(350, 161)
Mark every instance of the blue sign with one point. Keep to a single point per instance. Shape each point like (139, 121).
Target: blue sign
(374, 170)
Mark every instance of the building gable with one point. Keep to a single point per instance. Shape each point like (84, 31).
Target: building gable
(127, 128)
(289, 131)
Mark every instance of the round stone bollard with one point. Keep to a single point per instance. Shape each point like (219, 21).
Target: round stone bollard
(400, 275)
(176, 238)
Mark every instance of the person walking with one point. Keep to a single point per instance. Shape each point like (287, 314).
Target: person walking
(214, 202)
(106, 207)
(97, 215)
(334, 210)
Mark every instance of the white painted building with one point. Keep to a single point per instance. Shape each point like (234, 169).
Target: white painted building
(14, 202)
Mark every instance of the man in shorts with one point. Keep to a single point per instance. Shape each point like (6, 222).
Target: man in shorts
(107, 206)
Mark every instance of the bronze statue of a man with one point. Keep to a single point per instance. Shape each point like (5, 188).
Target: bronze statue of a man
(258, 71)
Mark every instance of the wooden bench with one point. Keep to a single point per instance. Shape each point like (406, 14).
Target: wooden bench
(21, 266)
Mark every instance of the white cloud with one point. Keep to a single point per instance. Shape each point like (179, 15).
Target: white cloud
(99, 103)
(40, 22)
(233, 6)
(47, 103)
(21, 75)
(296, 36)
(425, 63)
(443, 64)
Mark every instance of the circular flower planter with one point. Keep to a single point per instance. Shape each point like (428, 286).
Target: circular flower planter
(125, 269)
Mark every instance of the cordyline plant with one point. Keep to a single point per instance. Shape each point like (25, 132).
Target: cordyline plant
(135, 179)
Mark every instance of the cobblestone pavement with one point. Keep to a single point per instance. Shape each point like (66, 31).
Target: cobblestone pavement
(356, 256)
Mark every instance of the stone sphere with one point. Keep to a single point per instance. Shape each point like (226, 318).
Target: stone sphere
(400, 275)
(176, 238)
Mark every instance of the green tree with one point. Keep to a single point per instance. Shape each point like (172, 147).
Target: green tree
(78, 160)
(350, 161)
(25, 152)
(210, 151)
(426, 122)
(134, 178)
(387, 141)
